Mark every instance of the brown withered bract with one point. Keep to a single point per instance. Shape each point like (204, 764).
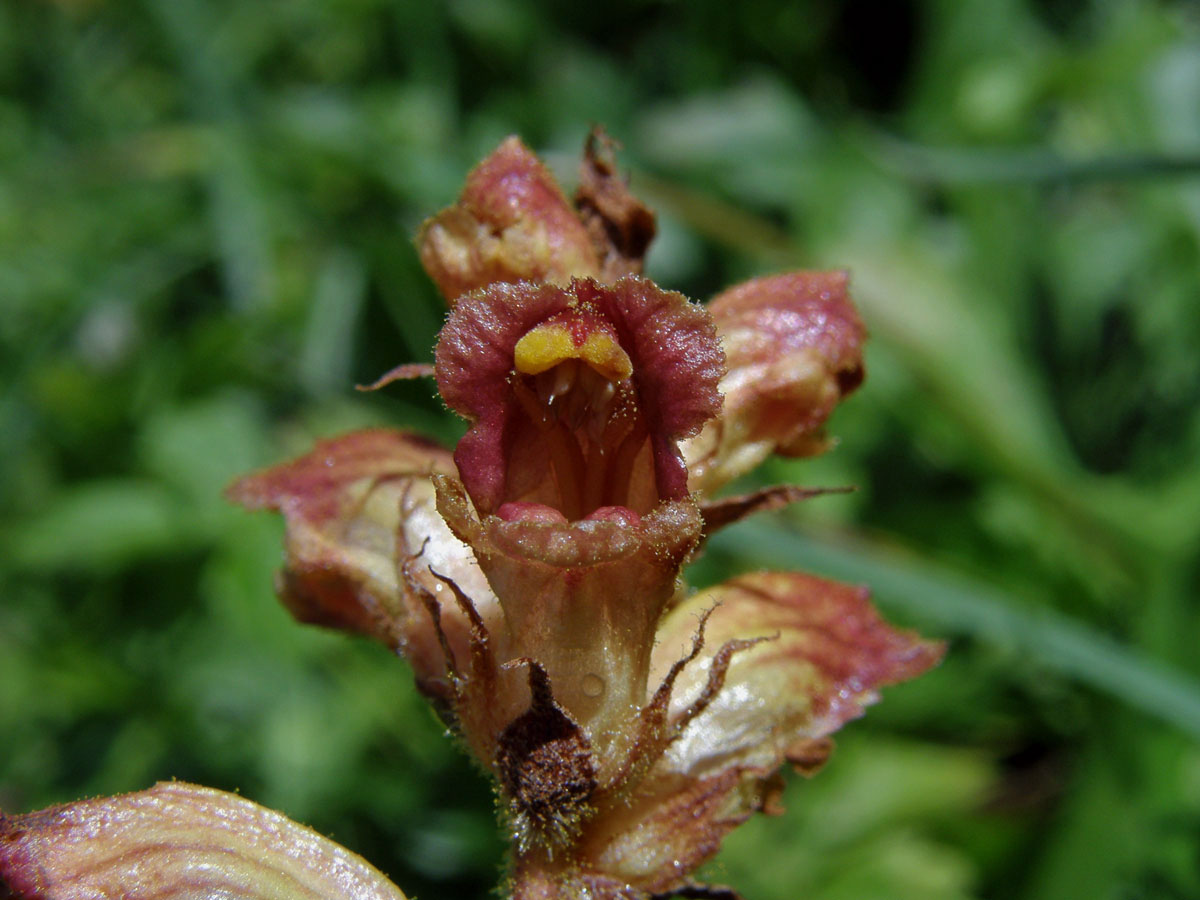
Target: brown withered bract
(621, 226)
(546, 769)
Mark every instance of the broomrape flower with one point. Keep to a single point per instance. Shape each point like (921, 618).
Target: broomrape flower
(532, 577)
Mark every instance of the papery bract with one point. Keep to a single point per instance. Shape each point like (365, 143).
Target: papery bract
(786, 660)
(823, 654)
(356, 507)
(179, 841)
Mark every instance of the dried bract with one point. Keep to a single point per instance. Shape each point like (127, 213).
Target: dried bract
(177, 841)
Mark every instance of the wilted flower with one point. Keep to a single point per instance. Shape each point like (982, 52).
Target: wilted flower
(532, 577)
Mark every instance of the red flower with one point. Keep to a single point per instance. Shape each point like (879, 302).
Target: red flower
(629, 725)
(532, 578)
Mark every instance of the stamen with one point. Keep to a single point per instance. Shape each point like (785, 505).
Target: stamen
(569, 470)
(595, 426)
(597, 470)
(620, 469)
(586, 416)
(554, 385)
(600, 393)
(578, 407)
(538, 413)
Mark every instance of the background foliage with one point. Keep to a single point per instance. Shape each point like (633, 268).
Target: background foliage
(205, 221)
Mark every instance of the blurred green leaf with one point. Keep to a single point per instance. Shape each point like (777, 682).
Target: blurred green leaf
(865, 827)
(103, 524)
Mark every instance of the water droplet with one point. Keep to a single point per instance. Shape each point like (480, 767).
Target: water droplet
(593, 686)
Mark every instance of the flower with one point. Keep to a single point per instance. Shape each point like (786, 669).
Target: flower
(793, 343)
(513, 224)
(578, 512)
(533, 576)
(535, 582)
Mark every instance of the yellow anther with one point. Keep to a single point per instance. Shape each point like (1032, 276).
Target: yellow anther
(546, 346)
(543, 348)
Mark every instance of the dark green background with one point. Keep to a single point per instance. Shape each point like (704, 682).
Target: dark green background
(206, 213)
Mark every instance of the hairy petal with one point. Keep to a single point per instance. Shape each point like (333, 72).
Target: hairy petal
(511, 223)
(181, 841)
(356, 508)
(793, 345)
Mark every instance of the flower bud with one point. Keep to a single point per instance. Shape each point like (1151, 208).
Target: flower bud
(793, 345)
(511, 223)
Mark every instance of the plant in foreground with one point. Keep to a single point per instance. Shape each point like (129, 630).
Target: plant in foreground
(532, 576)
